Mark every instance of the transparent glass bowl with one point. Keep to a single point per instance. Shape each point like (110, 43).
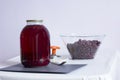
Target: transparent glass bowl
(82, 47)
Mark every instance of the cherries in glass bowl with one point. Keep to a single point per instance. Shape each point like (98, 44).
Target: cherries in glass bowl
(82, 47)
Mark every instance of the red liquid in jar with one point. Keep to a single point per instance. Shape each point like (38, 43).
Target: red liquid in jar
(35, 46)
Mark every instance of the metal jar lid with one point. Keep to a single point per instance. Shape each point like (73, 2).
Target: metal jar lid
(34, 20)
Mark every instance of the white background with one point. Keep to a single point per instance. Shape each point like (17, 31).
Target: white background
(60, 17)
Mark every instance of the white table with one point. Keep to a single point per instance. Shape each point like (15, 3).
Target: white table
(101, 68)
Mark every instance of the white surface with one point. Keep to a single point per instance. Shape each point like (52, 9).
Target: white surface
(101, 68)
(117, 76)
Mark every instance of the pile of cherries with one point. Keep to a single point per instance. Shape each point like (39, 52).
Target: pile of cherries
(83, 49)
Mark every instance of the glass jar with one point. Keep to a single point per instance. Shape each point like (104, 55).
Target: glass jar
(35, 44)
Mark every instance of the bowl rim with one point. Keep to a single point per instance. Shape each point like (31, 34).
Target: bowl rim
(103, 35)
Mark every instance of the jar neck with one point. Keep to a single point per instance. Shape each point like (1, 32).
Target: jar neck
(34, 23)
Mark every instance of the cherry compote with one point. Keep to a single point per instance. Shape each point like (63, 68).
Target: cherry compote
(35, 44)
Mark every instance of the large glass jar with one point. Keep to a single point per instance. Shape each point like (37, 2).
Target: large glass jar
(35, 44)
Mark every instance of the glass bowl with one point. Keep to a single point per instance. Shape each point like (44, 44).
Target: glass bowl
(82, 47)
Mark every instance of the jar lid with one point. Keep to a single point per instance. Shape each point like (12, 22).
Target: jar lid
(34, 20)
